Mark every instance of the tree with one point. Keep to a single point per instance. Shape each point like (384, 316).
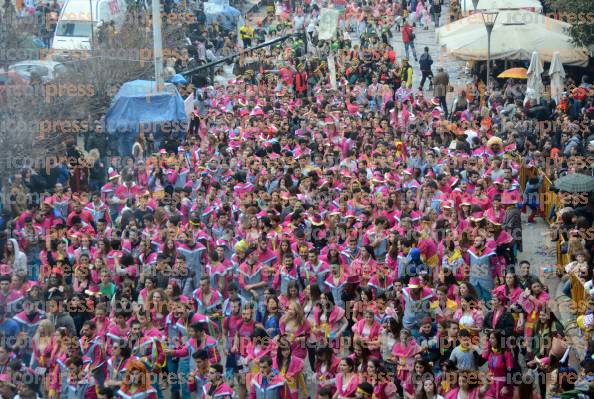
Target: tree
(578, 13)
(38, 126)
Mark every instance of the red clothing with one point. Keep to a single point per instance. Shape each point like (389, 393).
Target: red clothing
(406, 33)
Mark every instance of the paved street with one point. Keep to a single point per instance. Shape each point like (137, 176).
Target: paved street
(538, 248)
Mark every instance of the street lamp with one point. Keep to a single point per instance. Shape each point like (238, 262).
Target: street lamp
(475, 4)
(489, 18)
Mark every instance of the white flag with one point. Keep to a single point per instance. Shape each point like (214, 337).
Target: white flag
(332, 70)
(328, 24)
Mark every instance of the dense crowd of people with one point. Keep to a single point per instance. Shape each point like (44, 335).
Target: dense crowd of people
(308, 237)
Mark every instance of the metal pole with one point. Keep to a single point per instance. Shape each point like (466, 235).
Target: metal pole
(305, 41)
(92, 26)
(488, 57)
(157, 44)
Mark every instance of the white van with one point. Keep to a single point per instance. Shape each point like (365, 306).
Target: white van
(78, 17)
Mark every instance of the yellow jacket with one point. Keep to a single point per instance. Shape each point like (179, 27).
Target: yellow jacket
(246, 32)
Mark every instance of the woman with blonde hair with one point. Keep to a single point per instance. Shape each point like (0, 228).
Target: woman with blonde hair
(137, 382)
(296, 328)
(43, 344)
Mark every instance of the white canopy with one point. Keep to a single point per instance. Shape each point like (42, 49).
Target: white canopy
(530, 5)
(517, 33)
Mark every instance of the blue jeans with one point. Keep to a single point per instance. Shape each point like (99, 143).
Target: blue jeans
(567, 288)
(411, 45)
(483, 293)
(181, 369)
(435, 19)
(157, 387)
(33, 272)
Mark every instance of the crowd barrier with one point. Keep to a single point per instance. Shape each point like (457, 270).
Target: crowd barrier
(579, 295)
(550, 204)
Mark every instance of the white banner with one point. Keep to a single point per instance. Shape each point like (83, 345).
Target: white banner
(332, 70)
(328, 23)
(189, 105)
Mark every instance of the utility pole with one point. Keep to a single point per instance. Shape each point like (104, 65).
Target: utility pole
(92, 44)
(157, 44)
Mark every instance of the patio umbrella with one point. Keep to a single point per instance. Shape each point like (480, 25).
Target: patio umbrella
(534, 87)
(532, 5)
(514, 73)
(557, 75)
(517, 33)
(575, 183)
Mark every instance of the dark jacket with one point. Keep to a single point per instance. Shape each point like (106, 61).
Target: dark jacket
(513, 225)
(505, 324)
(63, 319)
(98, 141)
(425, 62)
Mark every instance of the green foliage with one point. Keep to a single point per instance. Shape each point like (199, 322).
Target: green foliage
(580, 14)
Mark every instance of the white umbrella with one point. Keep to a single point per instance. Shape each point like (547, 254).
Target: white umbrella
(557, 75)
(534, 87)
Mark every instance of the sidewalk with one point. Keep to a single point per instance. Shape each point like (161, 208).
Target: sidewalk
(540, 251)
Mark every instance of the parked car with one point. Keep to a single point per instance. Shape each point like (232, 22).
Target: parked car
(12, 83)
(47, 70)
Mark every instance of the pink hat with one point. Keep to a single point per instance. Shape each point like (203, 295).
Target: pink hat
(447, 205)
(257, 111)
(493, 221)
(465, 201)
(414, 282)
(354, 279)
(500, 295)
(507, 200)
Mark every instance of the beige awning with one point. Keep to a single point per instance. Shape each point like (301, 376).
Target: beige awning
(516, 35)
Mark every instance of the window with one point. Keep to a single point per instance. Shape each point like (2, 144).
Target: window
(74, 28)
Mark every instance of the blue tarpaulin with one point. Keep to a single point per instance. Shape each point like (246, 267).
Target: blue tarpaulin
(226, 15)
(139, 106)
(177, 79)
